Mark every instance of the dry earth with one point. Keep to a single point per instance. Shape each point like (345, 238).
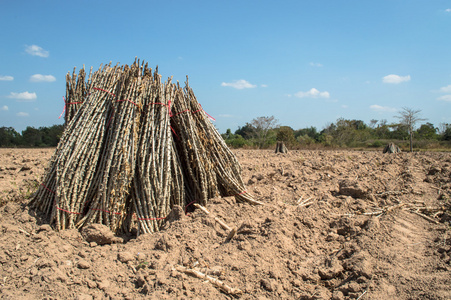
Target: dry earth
(336, 225)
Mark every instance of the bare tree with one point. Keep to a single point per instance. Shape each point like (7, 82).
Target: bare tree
(373, 123)
(262, 126)
(409, 117)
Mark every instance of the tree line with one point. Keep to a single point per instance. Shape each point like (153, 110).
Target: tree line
(265, 132)
(31, 137)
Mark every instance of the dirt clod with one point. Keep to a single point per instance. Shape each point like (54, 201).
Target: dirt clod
(125, 257)
(99, 234)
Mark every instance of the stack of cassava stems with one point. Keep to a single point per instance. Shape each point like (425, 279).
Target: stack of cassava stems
(134, 147)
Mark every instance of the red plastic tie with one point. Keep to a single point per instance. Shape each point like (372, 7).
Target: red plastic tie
(48, 189)
(99, 89)
(213, 119)
(170, 110)
(207, 113)
(174, 132)
(109, 121)
(64, 108)
(66, 104)
(186, 207)
(186, 110)
(128, 101)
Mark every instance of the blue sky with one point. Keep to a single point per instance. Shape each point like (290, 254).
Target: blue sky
(305, 62)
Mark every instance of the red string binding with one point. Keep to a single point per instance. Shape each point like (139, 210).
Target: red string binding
(99, 89)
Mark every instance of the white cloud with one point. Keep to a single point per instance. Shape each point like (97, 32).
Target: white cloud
(25, 96)
(264, 85)
(313, 93)
(239, 84)
(446, 89)
(446, 98)
(448, 10)
(22, 114)
(313, 64)
(344, 106)
(379, 108)
(36, 51)
(392, 78)
(41, 78)
(6, 78)
(4, 107)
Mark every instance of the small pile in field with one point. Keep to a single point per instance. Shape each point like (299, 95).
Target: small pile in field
(281, 148)
(391, 148)
(133, 148)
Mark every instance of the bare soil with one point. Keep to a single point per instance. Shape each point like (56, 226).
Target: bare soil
(336, 225)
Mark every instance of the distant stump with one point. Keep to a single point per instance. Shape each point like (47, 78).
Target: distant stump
(392, 148)
(281, 148)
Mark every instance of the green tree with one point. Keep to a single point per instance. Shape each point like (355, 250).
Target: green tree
(311, 132)
(32, 137)
(234, 140)
(382, 131)
(262, 127)
(398, 131)
(286, 134)
(247, 131)
(305, 140)
(228, 134)
(237, 141)
(427, 131)
(445, 131)
(9, 137)
(348, 132)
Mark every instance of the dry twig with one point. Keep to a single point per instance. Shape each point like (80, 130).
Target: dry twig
(216, 282)
(220, 222)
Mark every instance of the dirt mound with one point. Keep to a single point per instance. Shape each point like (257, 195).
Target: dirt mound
(336, 225)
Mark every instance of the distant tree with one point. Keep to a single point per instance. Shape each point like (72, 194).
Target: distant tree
(262, 126)
(234, 140)
(329, 129)
(311, 132)
(305, 140)
(409, 118)
(9, 137)
(237, 141)
(228, 134)
(53, 135)
(427, 131)
(398, 131)
(358, 124)
(247, 131)
(348, 132)
(32, 137)
(445, 131)
(373, 123)
(382, 130)
(286, 134)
